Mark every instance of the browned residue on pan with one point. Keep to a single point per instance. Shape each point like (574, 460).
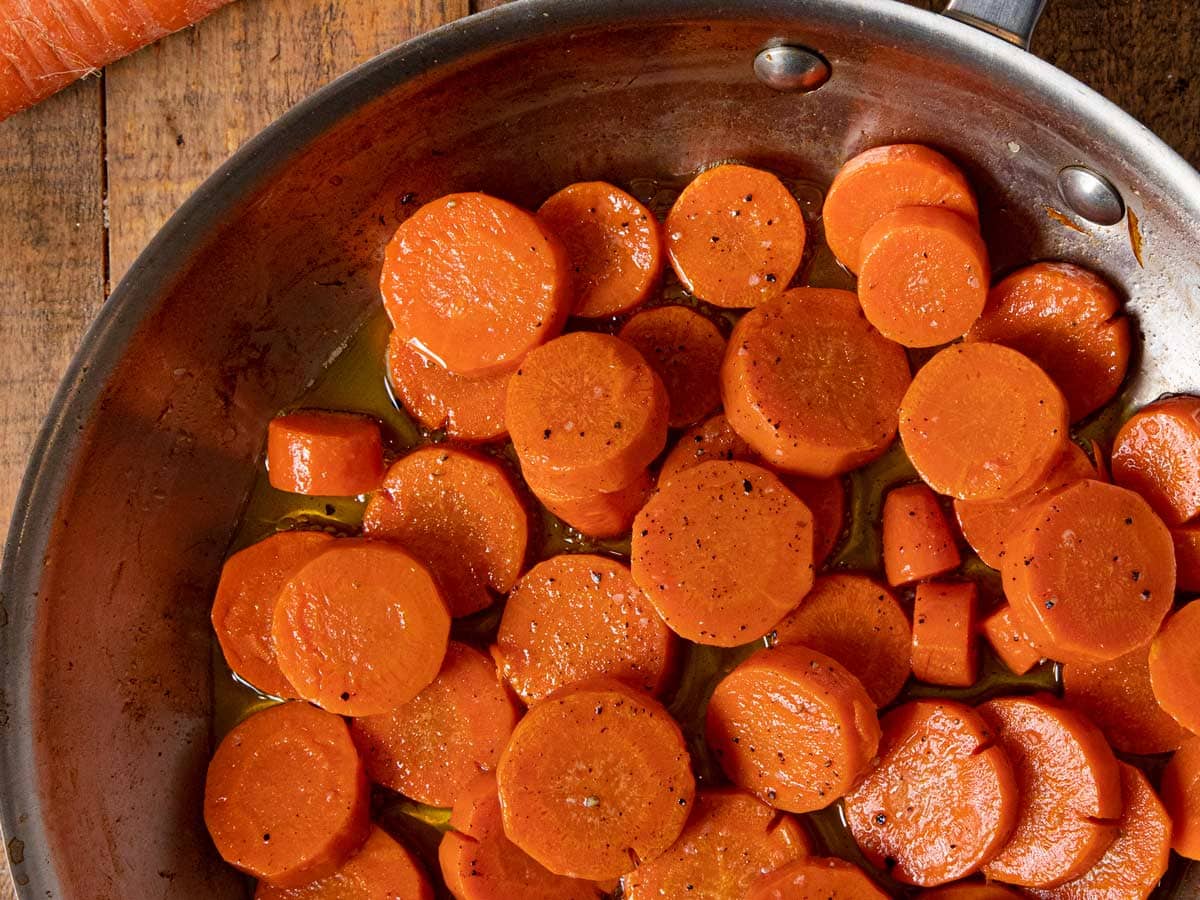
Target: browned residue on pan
(1064, 219)
(1135, 238)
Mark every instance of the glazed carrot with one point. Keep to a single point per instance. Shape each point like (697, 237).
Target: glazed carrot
(1067, 320)
(1157, 454)
(723, 551)
(595, 780)
(1099, 465)
(273, 825)
(459, 513)
(983, 422)
(1186, 539)
(944, 650)
(361, 629)
(1175, 666)
(934, 816)
(826, 500)
(884, 179)
(917, 540)
(923, 275)
(587, 411)
(326, 454)
(729, 842)
(970, 891)
(1181, 797)
(735, 236)
(475, 283)
(816, 878)
(598, 514)
(810, 385)
(1091, 575)
(858, 622)
(800, 753)
(241, 614)
(1070, 791)
(712, 439)
(685, 349)
(383, 868)
(1009, 641)
(613, 242)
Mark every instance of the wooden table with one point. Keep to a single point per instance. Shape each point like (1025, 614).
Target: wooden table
(89, 176)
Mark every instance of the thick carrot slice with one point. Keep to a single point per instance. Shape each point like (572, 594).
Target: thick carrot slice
(241, 614)
(587, 411)
(1091, 575)
(686, 350)
(614, 244)
(884, 179)
(1067, 320)
(268, 822)
(382, 869)
(723, 551)
(816, 878)
(944, 650)
(327, 454)
(598, 514)
(735, 236)
(792, 726)
(826, 500)
(1181, 796)
(1157, 454)
(361, 629)
(917, 540)
(858, 622)
(942, 799)
(1070, 791)
(729, 842)
(1175, 666)
(475, 283)
(1010, 641)
(580, 616)
(1187, 556)
(923, 275)
(983, 422)
(810, 385)
(970, 891)
(595, 780)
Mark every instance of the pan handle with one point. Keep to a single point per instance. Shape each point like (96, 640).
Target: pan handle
(1012, 20)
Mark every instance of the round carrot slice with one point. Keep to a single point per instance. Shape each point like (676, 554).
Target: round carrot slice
(326, 454)
(729, 842)
(810, 385)
(923, 275)
(1070, 791)
(970, 892)
(595, 780)
(1175, 666)
(686, 350)
(793, 726)
(1091, 575)
(713, 439)
(917, 540)
(1157, 454)
(1187, 556)
(241, 614)
(613, 242)
(982, 422)
(1067, 320)
(580, 616)
(858, 622)
(816, 878)
(942, 799)
(267, 822)
(1010, 641)
(598, 514)
(826, 500)
(587, 411)
(475, 283)
(383, 868)
(459, 513)
(723, 551)
(1181, 796)
(944, 650)
(361, 629)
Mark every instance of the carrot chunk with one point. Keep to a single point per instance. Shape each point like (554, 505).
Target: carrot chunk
(382, 868)
(598, 514)
(685, 349)
(944, 650)
(325, 454)
(1186, 539)
(1175, 666)
(917, 540)
(816, 878)
(1157, 454)
(1010, 642)
(1181, 796)
(970, 891)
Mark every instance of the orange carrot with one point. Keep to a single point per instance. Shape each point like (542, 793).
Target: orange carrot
(944, 650)
(1186, 539)
(324, 453)
(685, 349)
(917, 540)
(598, 514)
(1100, 466)
(816, 878)
(970, 891)
(712, 439)
(1157, 454)
(826, 500)
(1009, 641)
(1181, 797)
(1175, 666)
(382, 868)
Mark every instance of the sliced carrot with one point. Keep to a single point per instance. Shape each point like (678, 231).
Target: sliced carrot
(685, 349)
(361, 629)
(1067, 320)
(613, 242)
(241, 614)
(326, 454)
(474, 283)
(1070, 791)
(1010, 641)
(983, 422)
(735, 236)
(595, 780)
(598, 514)
(383, 868)
(792, 726)
(1101, 467)
(723, 551)
(826, 500)
(1187, 556)
(944, 650)
(942, 799)
(1175, 666)
(579, 616)
(1091, 575)
(712, 439)
(1157, 454)
(1181, 796)
(883, 179)
(271, 824)
(917, 540)
(810, 385)
(923, 275)
(858, 622)
(816, 878)
(971, 891)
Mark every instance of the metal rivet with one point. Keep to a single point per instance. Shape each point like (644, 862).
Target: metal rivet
(1091, 195)
(790, 68)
